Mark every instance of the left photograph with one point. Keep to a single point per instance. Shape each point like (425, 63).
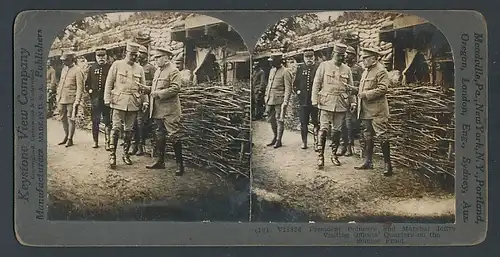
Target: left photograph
(148, 118)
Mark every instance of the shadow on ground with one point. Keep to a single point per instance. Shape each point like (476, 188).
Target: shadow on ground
(216, 204)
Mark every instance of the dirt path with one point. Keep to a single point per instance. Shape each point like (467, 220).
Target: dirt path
(287, 179)
(81, 186)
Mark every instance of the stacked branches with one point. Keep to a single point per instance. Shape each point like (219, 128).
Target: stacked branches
(421, 128)
(215, 127)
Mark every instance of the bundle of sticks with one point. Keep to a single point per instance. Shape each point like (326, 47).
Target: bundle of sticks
(215, 127)
(422, 128)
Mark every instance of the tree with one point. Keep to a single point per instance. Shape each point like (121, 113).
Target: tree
(82, 25)
(286, 29)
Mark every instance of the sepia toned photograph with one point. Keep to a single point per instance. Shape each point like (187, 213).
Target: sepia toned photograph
(148, 119)
(353, 120)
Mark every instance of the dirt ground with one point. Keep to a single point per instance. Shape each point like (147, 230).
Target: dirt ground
(81, 186)
(287, 186)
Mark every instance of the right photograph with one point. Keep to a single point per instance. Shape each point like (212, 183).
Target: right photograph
(353, 120)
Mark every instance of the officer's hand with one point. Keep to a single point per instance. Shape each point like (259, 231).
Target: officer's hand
(353, 107)
(145, 106)
(154, 94)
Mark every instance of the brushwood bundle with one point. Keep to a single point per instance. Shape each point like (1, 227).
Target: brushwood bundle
(422, 128)
(215, 126)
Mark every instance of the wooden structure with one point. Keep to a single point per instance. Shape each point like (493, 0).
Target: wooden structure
(204, 35)
(420, 51)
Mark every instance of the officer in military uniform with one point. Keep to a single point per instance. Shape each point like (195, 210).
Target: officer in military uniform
(302, 86)
(165, 109)
(258, 87)
(69, 96)
(142, 121)
(94, 86)
(277, 97)
(122, 94)
(350, 122)
(51, 88)
(330, 95)
(373, 108)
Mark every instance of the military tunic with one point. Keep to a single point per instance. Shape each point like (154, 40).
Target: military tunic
(123, 94)
(373, 108)
(279, 88)
(330, 93)
(70, 90)
(94, 85)
(165, 109)
(303, 88)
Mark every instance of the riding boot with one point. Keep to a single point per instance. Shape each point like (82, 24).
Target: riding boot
(386, 150)
(113, 146)
(350, 142)
(315, 138)
(159, 162)
(335, 145)
(178, 158)
(321, 148)
(368, 153)
(304, 134)
(281, 129)
(274, 127)
(135, 145)
(107, 137)
(126, 148)
(95, 133)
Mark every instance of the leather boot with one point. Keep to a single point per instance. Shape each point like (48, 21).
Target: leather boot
(349, 150)
(178, 158)
(335, 145)
(140, 151)
(386, 150)
(304, 134)
(126, 148)
(281, 129)
(368, 153)
(107, 137)
(315, 138)
(350, 142)
(113, 146)
(159, 162)
(64, 141)
(321, 148)
(275, 134)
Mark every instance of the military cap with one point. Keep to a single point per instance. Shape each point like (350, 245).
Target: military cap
(308, 52)
(132, 47)
(340, 48)
(143, 49)
(162, 51)
(100, 51)
(68, 54)
(367, 52)
(277, 55)
(350, 50)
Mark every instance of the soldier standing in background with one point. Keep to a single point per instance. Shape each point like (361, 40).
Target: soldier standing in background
(142, 121)
(69, 96)
(166, 110)
(259, 85)
(277, 97)
(94, 86)
(329, 94)
(350, 122)
(373, 109)
(302, 86)
(122, 94)
(51, 89)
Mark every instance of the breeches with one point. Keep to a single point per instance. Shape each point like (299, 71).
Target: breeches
(123, 120)
(308, 113)
(335, 119)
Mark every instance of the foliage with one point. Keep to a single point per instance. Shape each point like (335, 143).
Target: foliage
(286, 29)
(82, 26)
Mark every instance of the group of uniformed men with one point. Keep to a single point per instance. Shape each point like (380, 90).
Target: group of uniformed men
(129, 94)
(332, 94)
